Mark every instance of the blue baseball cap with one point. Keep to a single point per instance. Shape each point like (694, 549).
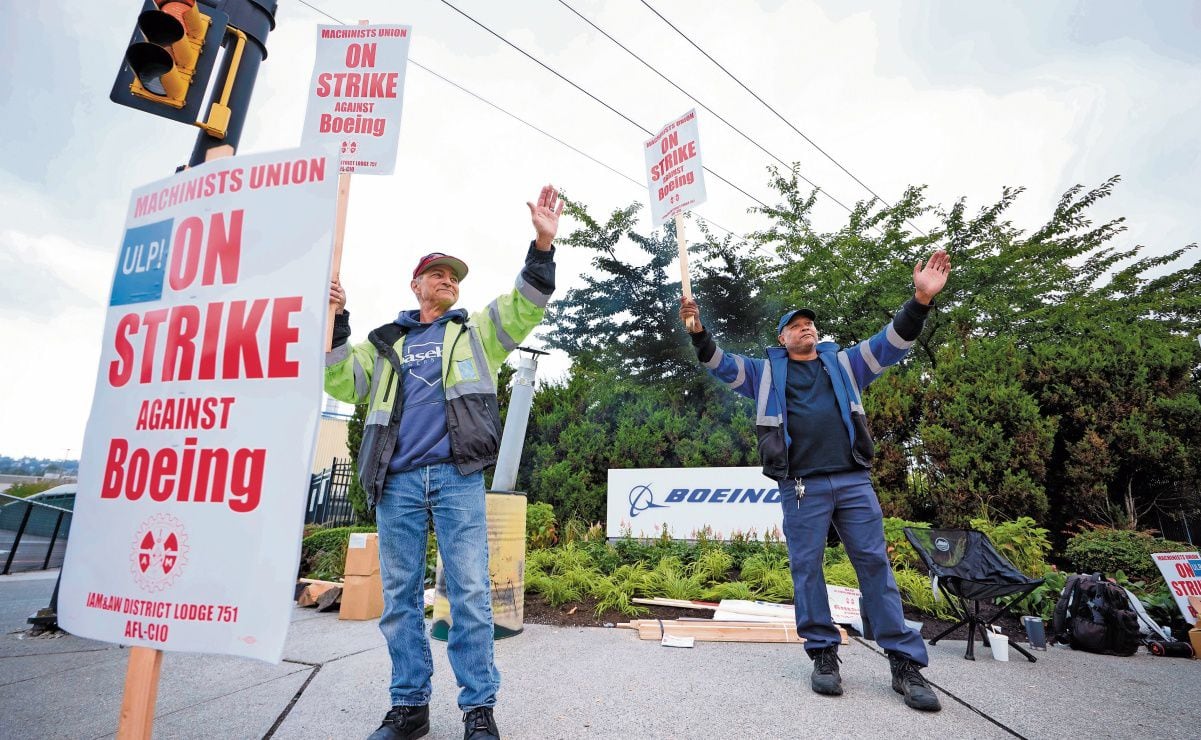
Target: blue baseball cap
(806, 312)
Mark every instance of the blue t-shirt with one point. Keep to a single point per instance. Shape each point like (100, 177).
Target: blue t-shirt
(819, 439)
(424, 439)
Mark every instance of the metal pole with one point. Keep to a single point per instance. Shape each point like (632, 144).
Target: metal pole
(20, 533)
(513, 439)
(256, 18)
(58, 523)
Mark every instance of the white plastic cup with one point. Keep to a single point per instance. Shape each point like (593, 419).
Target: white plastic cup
(1000, 646)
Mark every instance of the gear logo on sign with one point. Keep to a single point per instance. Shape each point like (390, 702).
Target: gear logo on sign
(160, 552)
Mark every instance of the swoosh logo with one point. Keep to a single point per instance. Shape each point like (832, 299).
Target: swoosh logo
(641, 499)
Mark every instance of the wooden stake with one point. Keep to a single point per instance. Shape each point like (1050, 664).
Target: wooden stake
(141, 692)
(685, 279)
(339, 234)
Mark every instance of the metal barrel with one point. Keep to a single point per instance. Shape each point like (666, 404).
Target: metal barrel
(506, 569)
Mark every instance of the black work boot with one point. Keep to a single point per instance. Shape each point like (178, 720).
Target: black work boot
(907, 679)
(825, 678)
(478, 724)
(403, 723)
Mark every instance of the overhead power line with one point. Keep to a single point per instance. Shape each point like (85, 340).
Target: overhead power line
(558, 74)
(514, 116)
(692, 97)
(773, 110)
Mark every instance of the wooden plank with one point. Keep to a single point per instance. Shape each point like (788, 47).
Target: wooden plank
(711, 631)
(314, 591)
(136, 721)
(680, 603)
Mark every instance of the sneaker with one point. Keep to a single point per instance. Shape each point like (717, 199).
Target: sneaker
(825, 678)
(478, 724)
(907, 680)
(404, 723)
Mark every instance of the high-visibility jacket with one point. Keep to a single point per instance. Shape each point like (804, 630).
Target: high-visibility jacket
(473, 349)
(850, 370)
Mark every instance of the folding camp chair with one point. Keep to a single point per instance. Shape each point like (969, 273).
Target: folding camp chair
(967, 569)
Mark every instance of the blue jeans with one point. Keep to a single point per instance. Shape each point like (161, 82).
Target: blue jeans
(402, 515)
(848, 499)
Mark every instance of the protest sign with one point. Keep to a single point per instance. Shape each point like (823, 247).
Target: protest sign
(1182, 572)
(676, 179)
(674, 173)
(196, 457)
(356, 95)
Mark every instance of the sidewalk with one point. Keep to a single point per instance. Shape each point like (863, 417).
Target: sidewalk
(573, 682)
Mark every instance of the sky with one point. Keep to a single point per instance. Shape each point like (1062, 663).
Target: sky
(965, 98)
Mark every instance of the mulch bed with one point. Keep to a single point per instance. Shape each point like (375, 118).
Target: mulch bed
(583, 614)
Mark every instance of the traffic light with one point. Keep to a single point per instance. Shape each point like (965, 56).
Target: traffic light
(170, 59)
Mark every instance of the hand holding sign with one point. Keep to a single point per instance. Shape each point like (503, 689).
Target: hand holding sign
(690, 314)
(337, 296)
(545, 217)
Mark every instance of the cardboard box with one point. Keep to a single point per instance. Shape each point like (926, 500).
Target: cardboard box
(1194, 635)
(362, 597)
(362, 554)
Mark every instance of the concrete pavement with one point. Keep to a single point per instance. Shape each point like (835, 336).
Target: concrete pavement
(583, 682)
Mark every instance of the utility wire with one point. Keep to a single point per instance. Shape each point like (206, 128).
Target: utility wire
(619, 173)
(692, 97)
(558, 74)
(773, 110)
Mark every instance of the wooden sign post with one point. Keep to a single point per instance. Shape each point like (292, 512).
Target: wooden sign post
(141, 692)
(339, 234)
(685, 278)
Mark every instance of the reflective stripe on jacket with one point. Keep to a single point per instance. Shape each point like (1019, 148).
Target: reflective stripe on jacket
(850, 370)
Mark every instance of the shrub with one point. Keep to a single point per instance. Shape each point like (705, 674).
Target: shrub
(713, 565)
(1021, 541)
(1042, 600)
(915, 591)
(23, 490)
(841, 573)
(1107, 551)
(323, 553)
(540, 529)
(900, 552)
(730, 590)
(671, 580)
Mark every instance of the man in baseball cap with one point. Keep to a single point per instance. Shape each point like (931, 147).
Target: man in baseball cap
(429, 381)
(814, 440)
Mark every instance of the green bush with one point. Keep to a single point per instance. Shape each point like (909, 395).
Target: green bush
(323, 553)
(916, 592)
(22, 490)
(841, 573)
(540, 525)
(1110, 550)
(900, 552)
(1021, 541)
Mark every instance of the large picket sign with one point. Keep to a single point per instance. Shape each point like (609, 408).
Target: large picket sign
(356, 94)
(675, 175)
(1182, 572)
(196, 459)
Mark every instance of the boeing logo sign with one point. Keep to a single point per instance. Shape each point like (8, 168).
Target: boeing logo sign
(642, 502)
(643, 498)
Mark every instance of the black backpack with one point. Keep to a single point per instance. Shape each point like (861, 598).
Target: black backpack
(1094, 615)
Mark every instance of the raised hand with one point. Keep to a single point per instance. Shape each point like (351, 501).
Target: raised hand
(689, 310)
(545, 216)
(929, 280)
